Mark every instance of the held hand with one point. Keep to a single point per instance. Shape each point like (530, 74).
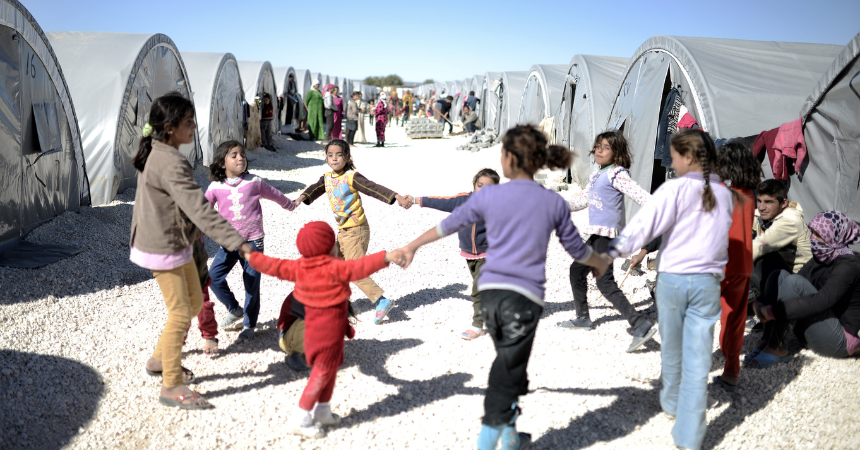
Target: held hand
(396, 257)
(602, 262)
(637, 259)
(245, 251)
(401, 200)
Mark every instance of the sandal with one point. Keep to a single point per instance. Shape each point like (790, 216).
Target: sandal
(751, 355)
(727, 386)
(197, 402)
(210, 347)
(185, 372)
(471, 334)
(764, 360)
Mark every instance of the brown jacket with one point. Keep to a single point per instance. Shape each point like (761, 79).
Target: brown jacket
(169, 207)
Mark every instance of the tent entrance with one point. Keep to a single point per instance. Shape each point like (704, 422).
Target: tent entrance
(567, 103)
(658, 172)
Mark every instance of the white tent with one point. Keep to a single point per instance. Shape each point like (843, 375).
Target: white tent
(43, 172)
(489, 96)
(218, 98)
(510, 97)
(731, 87)
(303, 79)
(542, 94)
(592, 82)
(456, 90)
(831, 128)
(291, 107)
(477, 85)
(113, 79)
(258, 79)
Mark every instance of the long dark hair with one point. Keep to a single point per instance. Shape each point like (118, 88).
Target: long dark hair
(346, 154)
(621, 155)
(168, 109)
(737, 164)
(529, 145)
(705, 153)
(216, 169)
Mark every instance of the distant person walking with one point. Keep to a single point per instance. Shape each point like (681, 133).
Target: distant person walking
(472, 101)
(328, 104)
(381, 111)
(314, 103)
(407, 105)
(354, 116)
(337, 130)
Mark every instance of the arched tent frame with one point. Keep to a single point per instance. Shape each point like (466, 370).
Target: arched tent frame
(723, 83)
(290, 109)
(37, 183)
(490, 100)
(831, 127)
(590, 87)
(114, 78)
(303, 79)
(258, 78)
(542, 94)
(218, 99)
(511, 88)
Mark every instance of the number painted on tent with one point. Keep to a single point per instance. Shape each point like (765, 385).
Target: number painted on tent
(31, 66)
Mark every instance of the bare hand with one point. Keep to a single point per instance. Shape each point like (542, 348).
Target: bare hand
(401, 200)
(602, 262)
(637, 259)
(396, 257)
(245, 250)
(758, 308)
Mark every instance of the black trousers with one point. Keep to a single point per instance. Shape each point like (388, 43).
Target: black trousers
(329, 124)
(511, 320)
(606, 284)
(350, 136)
(764, 266)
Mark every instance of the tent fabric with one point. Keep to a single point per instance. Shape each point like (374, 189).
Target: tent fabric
(291, 108)
(731, 87)
(490, 100)
(42, 165)
(830, 178)
(592, 82)
(113, 79)
(258, 78)
(303, 79)
(542, 93)
(512, 86)
(218, 97)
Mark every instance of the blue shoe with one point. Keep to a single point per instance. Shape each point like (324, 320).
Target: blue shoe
(383, 306)
(511, 440)
(764, 360)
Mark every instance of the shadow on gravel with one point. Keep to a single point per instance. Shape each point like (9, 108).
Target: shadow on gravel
(646, 306)
(632, 407)
(45, 400)
(414, 301)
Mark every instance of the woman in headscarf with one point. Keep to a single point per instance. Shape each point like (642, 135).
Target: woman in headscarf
(337, 122)
(381, 112)
(314, 104)
(822, 299)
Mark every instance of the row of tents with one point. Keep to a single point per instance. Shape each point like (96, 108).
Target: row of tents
(73, 104)
(732, 88)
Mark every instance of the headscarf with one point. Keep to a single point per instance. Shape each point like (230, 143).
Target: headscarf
(382, 97)
(329, 87)
(838, 231)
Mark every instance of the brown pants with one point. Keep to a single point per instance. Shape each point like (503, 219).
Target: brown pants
(352, 244)
(293, 341)
(475, 269)
(183, 298)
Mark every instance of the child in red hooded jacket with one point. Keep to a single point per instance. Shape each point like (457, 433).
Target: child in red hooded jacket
(322, 286)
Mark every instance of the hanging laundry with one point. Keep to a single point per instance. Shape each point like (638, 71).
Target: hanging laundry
(764, 141)
(783, 142)
(687, 121)
(667, 126)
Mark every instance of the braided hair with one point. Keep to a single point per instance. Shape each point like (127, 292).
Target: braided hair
(529, 146)
(700, 144)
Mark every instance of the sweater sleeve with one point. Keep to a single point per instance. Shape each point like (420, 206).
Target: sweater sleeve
(843, 281)
(284, 269)
(361, 268)
(653, 220)
(580, 201)
(270, 193)
(447, 204)
(178, 181)
(783, 232)
(314, 191)
(569, 236)
(624, 184)
(465, 215)
(377, 191)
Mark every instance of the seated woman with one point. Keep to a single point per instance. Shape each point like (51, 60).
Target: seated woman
(822, 300)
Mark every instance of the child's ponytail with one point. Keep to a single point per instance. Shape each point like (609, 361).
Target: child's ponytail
(529, 145)
(558, 157)
(708, 199)
(700, 144)
(168, 109)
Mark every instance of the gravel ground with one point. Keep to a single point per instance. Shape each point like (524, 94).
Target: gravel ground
(74, 337)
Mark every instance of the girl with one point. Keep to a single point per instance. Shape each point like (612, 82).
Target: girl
(236, 194)
(322, 286)
(693, 213)
(604, 198)
(337, 130)
(473, 241)
(738, 166)
(168, 208)
(381, 113)
(342, 186)
(512, 280)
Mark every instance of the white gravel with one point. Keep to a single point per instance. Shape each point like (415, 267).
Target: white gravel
(75, 336)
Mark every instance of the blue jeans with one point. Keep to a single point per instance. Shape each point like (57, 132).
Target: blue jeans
(221, 267)
(688, 307)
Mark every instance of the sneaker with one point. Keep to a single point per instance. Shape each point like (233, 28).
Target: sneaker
(232, 318)
(331, 420)
(580, 323)
(472, 334)
(296, 361)
(246, 335)
(310, 431)
(642, 334)
(383, 306)
(525, 442)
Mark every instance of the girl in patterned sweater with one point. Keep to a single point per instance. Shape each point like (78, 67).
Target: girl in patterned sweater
(237, 194)
(604, 198)
(342, 186)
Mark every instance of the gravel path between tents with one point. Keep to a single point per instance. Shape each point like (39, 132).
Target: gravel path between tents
(74, 337)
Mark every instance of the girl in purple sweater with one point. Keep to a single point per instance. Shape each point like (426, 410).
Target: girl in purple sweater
(237, 194)
(519, 215)
(693, 213)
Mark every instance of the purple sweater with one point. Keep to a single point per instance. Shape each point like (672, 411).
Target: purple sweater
(240, 203)
(694, 241)
(519, 215)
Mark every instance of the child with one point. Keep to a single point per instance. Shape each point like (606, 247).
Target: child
(291, 333)
(236, 194)
(206, 317)
(693, 213)
(604, 198)
(322, 286)
(343, 185)
(520, 216)
(266, 119)
(168, 208)
(473, 242)
(737, 165)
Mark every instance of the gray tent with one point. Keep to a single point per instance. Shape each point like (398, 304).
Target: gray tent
(113, 79)
(831, 128)
(303, 79)
(510, 97)
(590, 88)
(291, 107)
(218, 98)
(731, 87)
(542, 93)
(42, 168)
(258, 79)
